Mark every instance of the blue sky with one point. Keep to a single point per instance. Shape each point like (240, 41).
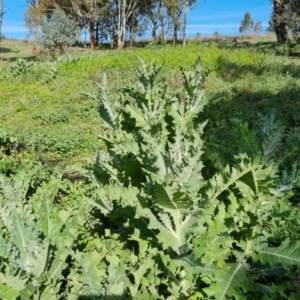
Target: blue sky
(223, 16)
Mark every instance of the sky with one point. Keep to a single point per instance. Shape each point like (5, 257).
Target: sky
(223, 16)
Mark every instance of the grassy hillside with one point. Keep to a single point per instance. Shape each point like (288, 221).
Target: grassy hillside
(45, 105)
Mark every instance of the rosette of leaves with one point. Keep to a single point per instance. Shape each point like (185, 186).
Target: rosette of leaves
(20, 67)
(201, 235)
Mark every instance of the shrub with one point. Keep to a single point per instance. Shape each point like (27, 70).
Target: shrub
(58, 32)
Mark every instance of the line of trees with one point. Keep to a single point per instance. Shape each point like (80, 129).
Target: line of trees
(119, 20)
(116, 20)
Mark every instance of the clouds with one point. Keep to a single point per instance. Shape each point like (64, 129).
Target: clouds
(13, 27)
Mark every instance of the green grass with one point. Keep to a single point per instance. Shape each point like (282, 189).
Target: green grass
(50, 113)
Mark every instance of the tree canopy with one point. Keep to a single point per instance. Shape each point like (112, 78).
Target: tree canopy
(115, 20)
(285, 18)
(246, 24)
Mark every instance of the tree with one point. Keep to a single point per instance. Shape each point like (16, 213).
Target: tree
(1, 15)
(2, 12)
(271, 27)
(36, 13)
(257, 27)
(155, 17)
(137, 23)
(289, 16)
(84, 11)
(119, 13)
(279, 25)
(34, 17)
(58, 32)
(175, 10)
(187, 4)
(246, 24)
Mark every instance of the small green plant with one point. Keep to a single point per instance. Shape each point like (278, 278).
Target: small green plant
(20, 67)
(52, 72)
(8, 149)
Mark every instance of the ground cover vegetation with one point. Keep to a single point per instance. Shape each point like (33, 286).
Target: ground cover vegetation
(127, 179)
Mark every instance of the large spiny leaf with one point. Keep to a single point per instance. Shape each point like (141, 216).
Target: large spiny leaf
(221, 182)
(228, 282)
(287, 254)
(169, 196)
(288, 179)
(247, 142)
(108, 109)
(270, 133)
(271, 143)
(250, 175)
(169, 232)
(137, 114)
(22, 234)
(50, 224)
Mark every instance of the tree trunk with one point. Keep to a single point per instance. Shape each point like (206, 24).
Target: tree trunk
(133, 29)
(161, 20)
(281, 33)
(280, 29)
(1, 16)
(123, 27)
(186, 9)
(37, 32)
(92, 35)
(121, 31)
(175, 38)
(154, 34)
(97, 33)
(112, 37)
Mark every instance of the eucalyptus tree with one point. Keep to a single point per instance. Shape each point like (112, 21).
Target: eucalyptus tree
(119, 12)
(178, 12)
(257, 27)
(286, 16)
(279, 25)
(39, 10)
(87, 12)
(175, 12)
(59, 32)
(151, 8)
(137, 22)
(84, 11)
(246, 24)
(187, 5)
(34, 16)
